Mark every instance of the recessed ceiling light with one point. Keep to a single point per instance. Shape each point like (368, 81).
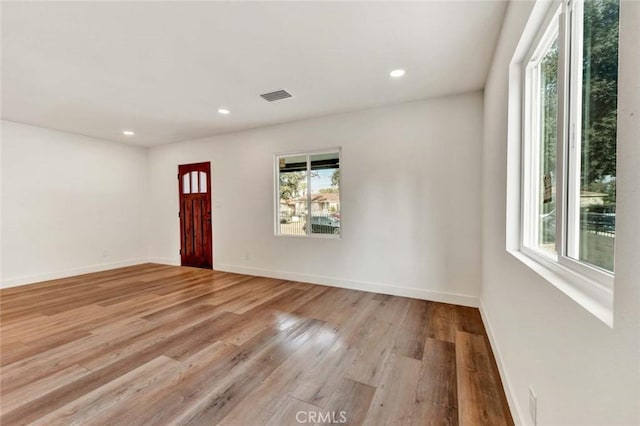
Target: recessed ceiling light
(224, 111)
(397, 73)
(128, 133)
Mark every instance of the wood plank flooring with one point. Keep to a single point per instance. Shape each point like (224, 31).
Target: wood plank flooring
(155, 344)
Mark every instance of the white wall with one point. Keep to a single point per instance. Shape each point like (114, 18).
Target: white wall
(584, 372)
(65, 200)
(411, 184)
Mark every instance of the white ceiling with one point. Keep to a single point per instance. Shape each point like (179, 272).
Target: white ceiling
(162, 69)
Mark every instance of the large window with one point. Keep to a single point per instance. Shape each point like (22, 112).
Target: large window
(569, 152)
(308, 194)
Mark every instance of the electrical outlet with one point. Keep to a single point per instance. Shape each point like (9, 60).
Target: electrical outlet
(105, 253)
(533, 405)
(246, 256)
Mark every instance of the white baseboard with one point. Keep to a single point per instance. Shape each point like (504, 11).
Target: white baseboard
(436, 296)
(164, 261)
(516, 412)
(415, 293)
(30, 279)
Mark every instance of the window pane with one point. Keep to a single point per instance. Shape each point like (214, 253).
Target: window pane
(185, 184)
(203, 182)
(325, 194)
(292, 210)
(548, 140)
(596, 201)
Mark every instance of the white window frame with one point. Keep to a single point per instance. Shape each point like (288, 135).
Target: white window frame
(276, 173)
(589, 285)
(531, 140)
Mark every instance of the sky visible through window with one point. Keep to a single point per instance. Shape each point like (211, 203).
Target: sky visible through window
(322, 178)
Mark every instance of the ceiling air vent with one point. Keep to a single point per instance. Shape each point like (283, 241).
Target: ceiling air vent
(276, 96)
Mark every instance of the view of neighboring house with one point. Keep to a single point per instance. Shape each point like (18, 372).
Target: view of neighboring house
(322, 204)
(325, 203)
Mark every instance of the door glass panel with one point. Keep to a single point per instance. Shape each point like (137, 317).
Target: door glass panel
(203, 182)
(185, 184)
(194, 182)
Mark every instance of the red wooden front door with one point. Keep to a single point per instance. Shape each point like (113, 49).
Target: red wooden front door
(194, 182)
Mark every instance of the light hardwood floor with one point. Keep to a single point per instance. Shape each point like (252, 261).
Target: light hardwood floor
(155, 344)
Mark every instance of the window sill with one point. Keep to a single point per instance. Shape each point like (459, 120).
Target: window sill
(595, 298)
